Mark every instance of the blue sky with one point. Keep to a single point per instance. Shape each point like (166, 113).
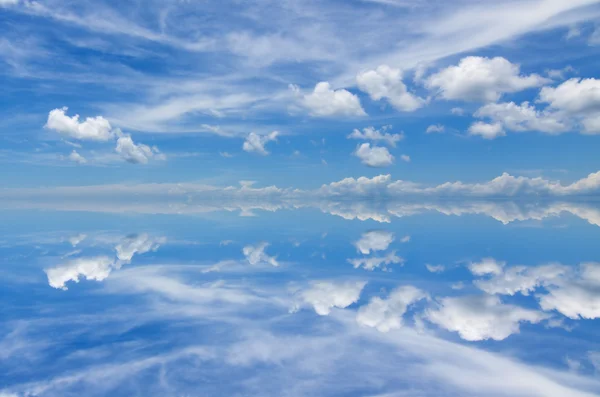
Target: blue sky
(290, 198)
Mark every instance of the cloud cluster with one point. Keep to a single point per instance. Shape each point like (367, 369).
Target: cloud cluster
(375, 135)
(386, 83)
(255, 254)
(255, 143)
(386, 314)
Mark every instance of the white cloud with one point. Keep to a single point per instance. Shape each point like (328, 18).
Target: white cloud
(435, 268)
(136, 153)
(576, 98)
(373, 262)
(325, 102)
(137, 244)
(457, 111)
(374, 240)
(77, 158)
(255, 254)
(405, 239)
(520, 118)
(75, 240)
(325, 295)
(435, 128)
(521, 279)
(93, 128)
(481, 79)
(487, 131)
(481, 317)
(93, 268)
(486, 266)
(576, 296)
(255, 143)
(372, 134)
(386, 83)
(405, 158)
(375, 156)
(386, 314)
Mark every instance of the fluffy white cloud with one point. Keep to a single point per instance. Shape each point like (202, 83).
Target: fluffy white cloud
(482, 79)
(137, 244)
(374, 240)
(255, 254)
(325, 101)
(93, 128)
(481, 317)
(520, 118)
(77, 158)
(578, 99)
(487, 131)
(372, 134)
(136, 153)
(325, 295)
(386, 314)
(521, 279)
(386, 83)
(373, 262)
(576, 296)
(486, 266)
(435, 128)
(374, 156)
(255, 143)
(93, 268)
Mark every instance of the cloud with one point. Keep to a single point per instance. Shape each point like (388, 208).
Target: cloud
(93, 128)
(255, 254)
(373, 262)
(92, 268)
(255, 143)
(482, 79)
(487, 131)
(405, 158)
(325, 295)
(457, 111)
(137, 244)
(481, 317)
(435, 128)
(435, 268)
(136, 153)
(372, 134)
(75, 240)
(519, 118)
(521, 279)
(386, 314)
(327, 102)
(375, 156)
(77, 158)
(374, 240)
(576, 98)
(386, 83)
(486, 266)
(405, 239)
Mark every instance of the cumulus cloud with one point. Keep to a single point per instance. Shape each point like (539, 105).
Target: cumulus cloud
(77, 158)
(255, 143)
(521, 279)
(372, 134)
(521, 118)
(325, 295)
(486, 266)
(374, 156)
(137, 244)
(255, 254)
(386, 83)
(578, 99)
(374, 240)
(481, 317)
(435, 128)
(386, 314)
(93, 128)
(327, 102)
(487, 131)
(136, 153)
(482, 79)
(374, 262)
(93, 268)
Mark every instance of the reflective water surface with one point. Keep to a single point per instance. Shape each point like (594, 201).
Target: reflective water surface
(329, 298)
